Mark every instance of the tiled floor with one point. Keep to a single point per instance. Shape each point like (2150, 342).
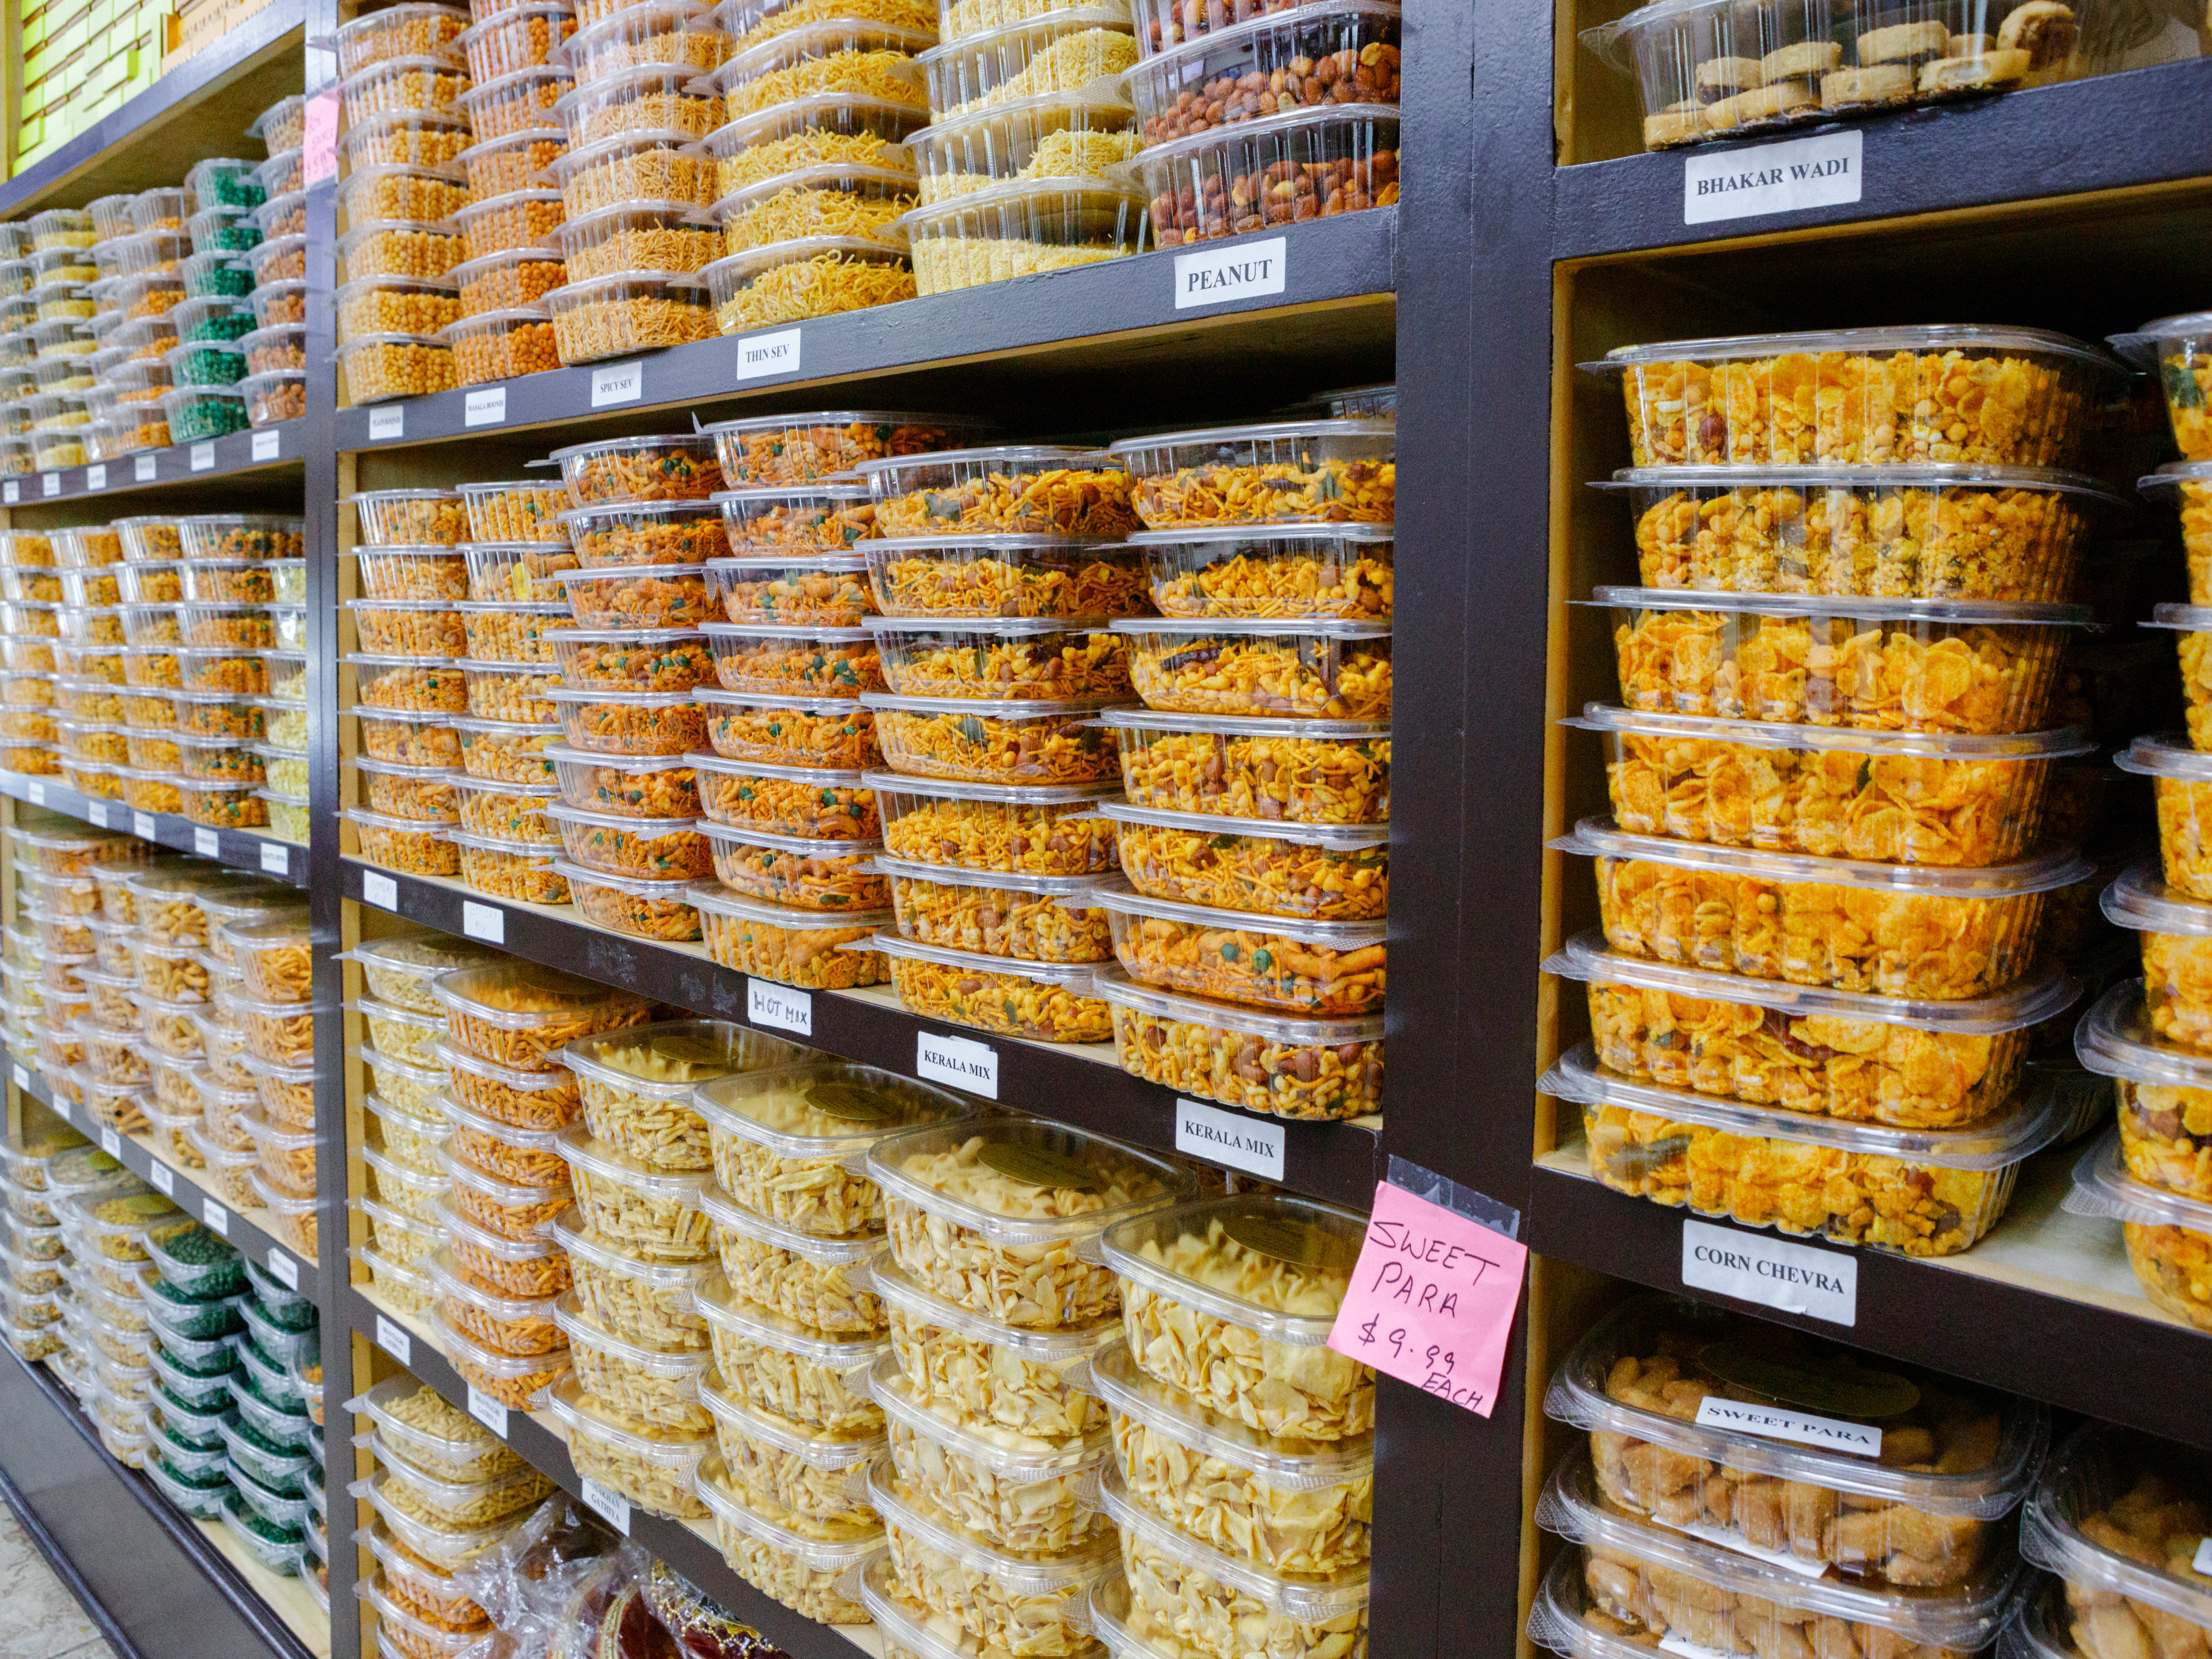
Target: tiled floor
(38, 1617)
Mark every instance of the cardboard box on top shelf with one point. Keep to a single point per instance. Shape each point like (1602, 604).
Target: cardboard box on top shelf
(199, 26)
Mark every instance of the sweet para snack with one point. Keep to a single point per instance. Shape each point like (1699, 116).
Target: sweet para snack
(636, 1084)
(817, 1282)
(1953, 1460)
(781, 1366)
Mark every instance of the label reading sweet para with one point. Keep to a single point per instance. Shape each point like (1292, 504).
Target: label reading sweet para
(216, 1216)
(163, 1177)
(386, 422)
(484, 921)
(1242, 1143)
(207, 843)
(617, 383)
(276, 859)
(283, 1269)
(1788, 177)
(760, 355)
(204, 457)
(319, 137)
(958, 1061)
(487, 1411)
(394, 1341)
(1244, 270)
(779, 1007)
(1789, 1278)
(380, 890)
(142, 825)
(1771, 1423)
(95, 476)
(610, 1507)
(144, 468)
(485, 406)
(268, 445)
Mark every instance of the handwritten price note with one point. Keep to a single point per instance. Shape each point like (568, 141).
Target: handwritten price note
(1431, 1300)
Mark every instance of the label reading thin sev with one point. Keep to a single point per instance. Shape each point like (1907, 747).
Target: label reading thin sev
(780, 1006)
(218, 1218)
(611, 1507)
(956, 1062)
(394, 1341)
(161, 1176)
(487, 1411)
(763, 355)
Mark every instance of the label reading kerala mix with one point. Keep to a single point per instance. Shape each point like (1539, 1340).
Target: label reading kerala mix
(1243, 271)
(1218, 1136)
(780, 1006)
(1784, 178)
(957, 1061)
(1793, 1279)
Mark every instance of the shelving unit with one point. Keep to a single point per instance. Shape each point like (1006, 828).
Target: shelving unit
(1527, 240)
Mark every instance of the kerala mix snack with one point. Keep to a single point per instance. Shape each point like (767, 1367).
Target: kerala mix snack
(1322, 667)
(1023, 490)
(1033, 918)
(1039, 829)
(1323, 873)
(791, 1369)
(795, 588)
(802, 874)
(1330, 471)
(1043, 1002)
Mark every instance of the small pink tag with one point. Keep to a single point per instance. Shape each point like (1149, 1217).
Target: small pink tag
(321, 138)
(1432, 1299)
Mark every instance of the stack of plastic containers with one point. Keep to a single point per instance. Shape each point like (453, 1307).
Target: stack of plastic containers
(34, 1291)
(48, 1235)
(30, 631)
(1249, 122)
(637, 1245)
(807, 174)
(271, 954)
(1029, 120)
(271, 1439)
(2154, 1035)
(1692, 1533)
(504, 1174)
(1001, 1316)
(407, 1060)
(107, 1228)
(276, 303)
(794, 1325)
(405, 75)
(17, 349)
(1829, 776)
(445, 1491)
(984, 677)
(53, 317)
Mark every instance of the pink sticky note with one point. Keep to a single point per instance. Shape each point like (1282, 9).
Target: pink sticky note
(320, 139)
(1431, 1300)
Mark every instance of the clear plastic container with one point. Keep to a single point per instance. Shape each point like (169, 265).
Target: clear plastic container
(791, 1370)
(2181, 782)
(1921, 1192)
(645, 1299)
(1026, 489)
(1716, 401)
(808, 276)
(824, 199)
(1022, 227)
(387, 304)
(645, 533)
(661, 787)
(834, 878)
(644, 1384)
(512, 279)
(515, 38)
(1323, 968)
(797, 588)
(848, 55)
(775, 1463)
(646, 98)
(671, 236)
(1073, 49)
(652, 1468)
(628, 723)
(387, 249)
(639, 166)
(2168, 1238)
(628, 312)
(415, 84)
(514, 103)
(1637, 1381)
(798, 1568)
(527, 572)
(1040, 830)
(493, 749)
(608, 472)
(2164, 1088)
(1913, 666)
(636, 1087)
(672, 31)
(794, 661)
(1924, 1063)
(2105, 1517)
(521, 1015)
(1833, 923)
(1940, 799)
(378, 367)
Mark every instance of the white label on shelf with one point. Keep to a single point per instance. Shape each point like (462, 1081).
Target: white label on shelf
(2202, 1564)
(11, 492)
(484, 407)
(60, 1106)
(286, 1270)
(484, 921)
(1222, 274)
(37, 792)
(95, 476)
(276, 859)
(487, 1411)
(207, 843)
(1231, 1137)
(218, 1218)
(22, 1077)
(110, 1143)
(162, 1177)
(204, 457)
(1685, 1649)
(760, 355)
(142, 825)
(97, 811)
(1795, 1279)
(394, 1341)
(380, 890)
(386, 422)
(144, 468)
(617, 383)
(956, 1060)
(1828, 1433)
(1785, 178)
(268, 445)
(780, 1006)
(610, 1507)
(50, 484)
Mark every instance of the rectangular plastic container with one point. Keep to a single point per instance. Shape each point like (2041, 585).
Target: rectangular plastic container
(2105, 1517)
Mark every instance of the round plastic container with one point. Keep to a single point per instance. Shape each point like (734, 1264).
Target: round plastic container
(1022, 227)
(809, 277)
(662, 235)
(515, 102)
(645, 98)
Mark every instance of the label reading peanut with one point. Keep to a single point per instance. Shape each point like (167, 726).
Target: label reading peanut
(1218, 277)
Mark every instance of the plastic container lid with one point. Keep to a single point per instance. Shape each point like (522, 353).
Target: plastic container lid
(2114, 1039)
(724, 1210)
(849, 1357)
(1045, 1156)
(1296, 1230)
(817, 1450)
(1311, 1598)
(1962, 1619)
(837, 1555)
(581, 1414)
(2095, 1468)
(2102, 1186)
(1577, 1396)
(1961, 612)
(570, 1231)
(1018, 1576)
(1017, 1459)
(564, 997)
(1598, 837)
(1931, 337)
(822, 1108)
